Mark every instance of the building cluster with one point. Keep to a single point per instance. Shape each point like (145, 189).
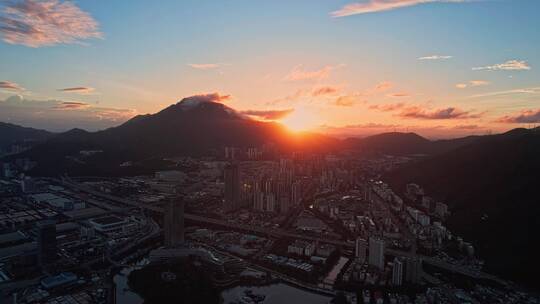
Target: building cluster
(312, 250)
(283, 184)
(370, 268)
(264, 152)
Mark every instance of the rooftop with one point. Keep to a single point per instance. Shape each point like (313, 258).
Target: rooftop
(107, 220)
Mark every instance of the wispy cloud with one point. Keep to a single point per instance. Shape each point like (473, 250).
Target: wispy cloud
(344, 101)
(510, 65)
(325, 90)
(78, 90)
(9, 85)
(472, 83)
(435, 57)
(528, 91)
(387, 107)
(268, 114)
(48, 22)
(300, 73)
(525, 116)
(72, 105)
(208, 97)
(204, 66)
(373, 6)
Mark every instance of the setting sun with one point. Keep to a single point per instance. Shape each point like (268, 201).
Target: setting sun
(300, 120)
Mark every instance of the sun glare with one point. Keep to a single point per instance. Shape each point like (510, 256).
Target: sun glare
(300, 120)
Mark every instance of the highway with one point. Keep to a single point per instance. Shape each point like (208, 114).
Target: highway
(277, 233)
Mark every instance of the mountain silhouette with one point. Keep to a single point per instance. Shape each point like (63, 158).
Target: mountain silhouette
(491, 186)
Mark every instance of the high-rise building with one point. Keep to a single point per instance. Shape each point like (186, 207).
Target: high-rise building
(28, 185)
(360, 249)
(413, 270)
(397, 272)
(270, 202)
(376, 253)
(296, 193)
(258, 201)
(232, 187)
(46, 239)
(284, 204)
(173, 223)
(367, 192)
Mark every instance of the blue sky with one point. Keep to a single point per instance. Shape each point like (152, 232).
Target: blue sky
(247, 49)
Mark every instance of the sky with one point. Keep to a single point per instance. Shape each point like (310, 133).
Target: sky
(441, 68)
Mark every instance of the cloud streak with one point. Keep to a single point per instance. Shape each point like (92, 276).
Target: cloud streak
(204, 66)
(387, 107)
(527, 91)
(72, 105)
(435, 57)
(9, 85)
(373, 6)
(472, 83)
(398, 95)
(324, 91)
(44, 23)
(78, 90)
(510, 65)
(268, 114)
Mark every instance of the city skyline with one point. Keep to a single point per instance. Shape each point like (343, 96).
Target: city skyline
(438, 68)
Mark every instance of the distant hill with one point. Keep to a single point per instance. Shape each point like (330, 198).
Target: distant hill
(192, 127)
(492, 186)
(11, 134)
(396, 143)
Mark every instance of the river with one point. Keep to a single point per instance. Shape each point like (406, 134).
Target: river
(275, 294)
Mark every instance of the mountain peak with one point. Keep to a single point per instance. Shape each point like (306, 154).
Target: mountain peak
(202, 106)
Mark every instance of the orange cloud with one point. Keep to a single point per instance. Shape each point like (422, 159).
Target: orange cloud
(387, 107)
(344, 101)
(398, 95)
(326, 90)
(48, 22)
(268, 114)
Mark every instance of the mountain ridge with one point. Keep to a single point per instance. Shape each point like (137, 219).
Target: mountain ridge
(491, 188)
